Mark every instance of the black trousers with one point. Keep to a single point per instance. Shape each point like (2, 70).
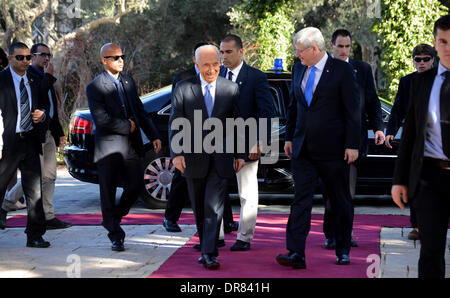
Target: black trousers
(112, 170)
(432, 204)
(334, 176)
(26, 159)
(207, 197)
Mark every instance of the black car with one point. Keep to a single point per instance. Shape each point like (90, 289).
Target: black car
(374, 177)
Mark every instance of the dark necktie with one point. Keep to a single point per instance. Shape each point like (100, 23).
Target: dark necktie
(122, 97)
(445, 114)
(230, 75)
(25, 111)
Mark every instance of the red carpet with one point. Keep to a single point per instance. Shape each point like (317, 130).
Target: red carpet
(269, 241)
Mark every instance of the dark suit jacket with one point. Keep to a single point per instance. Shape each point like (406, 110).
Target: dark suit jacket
(255, 99)
(8, 105)
(112, 131)
(369, 102)
(398, 112)
(332, 122)
(183, 75)
(46, 82)
(187, 99)
(412, 146)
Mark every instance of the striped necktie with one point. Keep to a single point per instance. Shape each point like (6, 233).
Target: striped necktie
(445, 114)
(25, 111)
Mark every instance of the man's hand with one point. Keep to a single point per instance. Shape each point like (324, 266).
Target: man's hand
(288, 148)
(238, 164)
(49, 68)
(37, 116)
(351, 155)
(179, 163)
(62, 141)
(157, 145)
(255, 152)
(389, 139)
(379, 137)
(399, 193)
(133, 125)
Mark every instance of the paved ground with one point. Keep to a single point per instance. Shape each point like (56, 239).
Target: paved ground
(83, 251)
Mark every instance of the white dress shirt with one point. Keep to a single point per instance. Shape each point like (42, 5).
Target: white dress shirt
(318, 73)
(235, 72)
(212, 90)
(16, 79)
(433, 141)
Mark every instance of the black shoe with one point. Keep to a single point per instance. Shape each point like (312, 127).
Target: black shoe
(55, 224)
(209, 262)
(230, 227)
(117, 245)
(240, 245)
(171, 226)
(330, 243)
(354, 243)
(3, 214)
(293, 260)
(197, 246)
(38, 242)
(343, 259)
(221, 243)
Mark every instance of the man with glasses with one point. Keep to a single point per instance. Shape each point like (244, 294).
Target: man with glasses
(423, 59)
(42, 71)
(119, 116)
(23, 116)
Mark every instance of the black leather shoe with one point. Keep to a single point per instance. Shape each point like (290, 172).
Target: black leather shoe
(343, 259)
(240, 245)
(230, 227)
(330, 243)
(38, 242)
(55, 224)
(221, 243)
(3, 214)
(209, 262)
(171, 226)
(293, 260)
(354, 243)
(117, 245)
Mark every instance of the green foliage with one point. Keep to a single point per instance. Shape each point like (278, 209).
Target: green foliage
(404, 24)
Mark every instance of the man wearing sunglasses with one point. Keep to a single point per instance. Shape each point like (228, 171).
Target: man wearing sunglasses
(423, 59)
(119, 116)
(23, 116)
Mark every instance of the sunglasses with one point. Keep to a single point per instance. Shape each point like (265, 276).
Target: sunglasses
(44, 54)
(21, 57)
(115, 57)
(424, 59)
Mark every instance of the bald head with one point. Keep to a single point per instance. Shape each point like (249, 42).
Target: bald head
(109, 48)
(112, 58)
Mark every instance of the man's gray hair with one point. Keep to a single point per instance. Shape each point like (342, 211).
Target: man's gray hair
(208, 46)
(309, 37)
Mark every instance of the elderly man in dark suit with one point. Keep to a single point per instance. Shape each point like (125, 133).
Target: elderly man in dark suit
(340, 44)
(423, 59)
(23, 115)
(119, 116)
(205, 97)
(322, 139)
(422, 170)
(255, 102)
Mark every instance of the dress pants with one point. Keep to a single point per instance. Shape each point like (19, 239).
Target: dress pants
(432, 205)
(207, 197)
(177, 197)
(113, 169)
(26, 159)
(334, 176)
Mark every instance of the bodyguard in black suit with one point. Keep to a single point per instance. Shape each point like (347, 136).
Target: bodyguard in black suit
(422, 170)
(340, 44)
(322, 139)
(23, 115)
(423, 59)
(118, 116)
(197, 100)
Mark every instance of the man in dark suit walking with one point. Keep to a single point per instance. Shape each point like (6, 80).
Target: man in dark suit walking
(340, 44)
(322, 139)
(255, 102)
(23, 115)
(423, 59)
(118, 116)
(206, 97)
(422, 170)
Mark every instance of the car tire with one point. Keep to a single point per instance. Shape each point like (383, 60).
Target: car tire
(157, 176)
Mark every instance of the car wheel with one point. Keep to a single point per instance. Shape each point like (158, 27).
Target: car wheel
(158, 176)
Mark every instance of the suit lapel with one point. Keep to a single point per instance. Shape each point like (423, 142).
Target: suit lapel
(109, 87)
(299, 78)
(218, 101)
(12, 92)
(425, 99)
(323, 79)
(198, 95)
(242, 78)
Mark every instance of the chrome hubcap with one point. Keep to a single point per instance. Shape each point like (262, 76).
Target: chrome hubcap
(158, 178)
